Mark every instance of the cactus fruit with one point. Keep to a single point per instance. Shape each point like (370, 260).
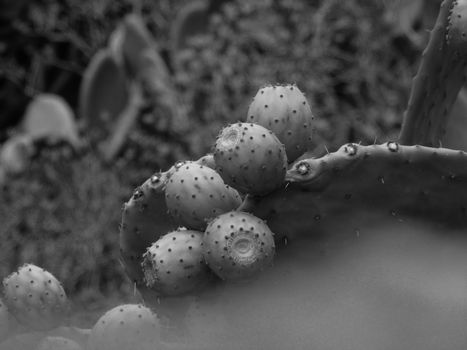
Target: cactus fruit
(144, 219)
(439, 78)
(194, 193)
(402, 181)
(238, 245)
(174, 264)
(285, 110)
(49, 117)
(250, 158)
(207, 160)
(126, 327)
(35, 298)
(58, 343)
(103, 92)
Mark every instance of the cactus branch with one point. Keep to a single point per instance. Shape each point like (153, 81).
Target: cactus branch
(402, 181)
(439, 78)
(124, 123)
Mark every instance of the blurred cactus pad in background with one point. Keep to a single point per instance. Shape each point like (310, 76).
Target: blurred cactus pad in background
(97, 96)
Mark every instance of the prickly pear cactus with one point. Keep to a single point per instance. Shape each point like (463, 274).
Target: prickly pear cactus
(174, 264)
(49, 117)
(285, 110)
(136, 39)
(58, 343)
(35, 298)
(15, 156)
(238, 246)
(439, 78)
(191, 20)
(144, 219)
(250, 158)
(196, 193)
(401, 181)
(103, 92)
(126, 327)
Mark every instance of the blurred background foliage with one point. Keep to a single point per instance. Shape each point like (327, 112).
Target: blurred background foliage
(353, 59)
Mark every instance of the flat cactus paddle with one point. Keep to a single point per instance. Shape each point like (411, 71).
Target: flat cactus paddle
(124, 122)
(103, 92)
(191, 20)
(404, 182)
(456, 130)
(49, 117)
(136, 39)
(439, 78)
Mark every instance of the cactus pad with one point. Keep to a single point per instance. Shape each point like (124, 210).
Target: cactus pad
(103, 92)
(144, 219)
(402, 181)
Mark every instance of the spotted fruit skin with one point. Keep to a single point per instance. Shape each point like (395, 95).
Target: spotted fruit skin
(174, 264)
(144, 219)
(238, 245)
(250, 158)
(195, 193)
(35, 298)
(285, 110)
(126, 327)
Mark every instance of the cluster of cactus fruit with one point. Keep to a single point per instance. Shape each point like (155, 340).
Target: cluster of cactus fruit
(183, 227)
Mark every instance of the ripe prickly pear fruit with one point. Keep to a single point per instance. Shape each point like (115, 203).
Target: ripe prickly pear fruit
(250, 158)
(58, 343)
(126, 327)
(238, 245)
(35, 298)
(285, 110)
(207, 160)
(195, 193)
(144, 219)
(174, 264)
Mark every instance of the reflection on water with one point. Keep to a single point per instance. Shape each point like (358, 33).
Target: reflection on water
(384, 286)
